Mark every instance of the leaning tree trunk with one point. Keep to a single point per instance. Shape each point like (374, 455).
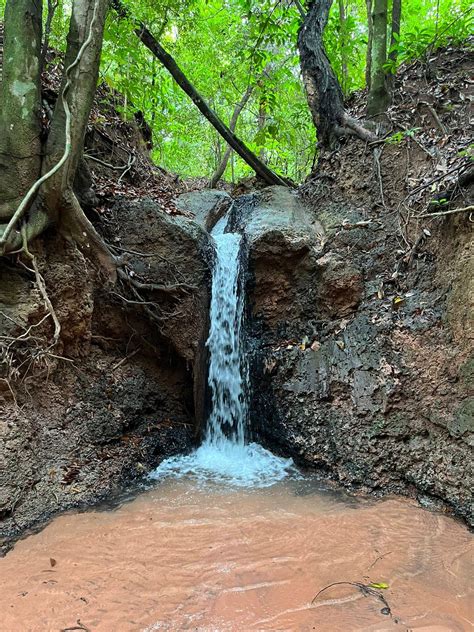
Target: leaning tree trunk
(20, 103)
(378, 97)
(323, 91)
(147, 38)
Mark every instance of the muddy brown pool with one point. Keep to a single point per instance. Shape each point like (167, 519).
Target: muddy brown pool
(184, 557)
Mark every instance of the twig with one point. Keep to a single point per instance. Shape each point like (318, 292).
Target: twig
(79, 626)
(123, 360)
(365, 589)
(466, 209)
(361, 224)
(105, 164)
(380, 557)
(434, 114)
(460, 168)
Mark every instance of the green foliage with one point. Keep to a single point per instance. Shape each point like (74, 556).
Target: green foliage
(223, 46)
(398, 137)
(468, 152)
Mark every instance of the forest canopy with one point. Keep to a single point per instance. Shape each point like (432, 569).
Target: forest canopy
(243, 50)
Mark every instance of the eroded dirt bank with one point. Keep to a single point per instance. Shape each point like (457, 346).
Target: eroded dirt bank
(360, 328)
(346, 379)
(122, 388)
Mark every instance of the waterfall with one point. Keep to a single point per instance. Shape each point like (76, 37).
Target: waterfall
(225, 455)
(226, 359)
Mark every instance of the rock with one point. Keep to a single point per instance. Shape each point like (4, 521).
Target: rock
(276, 222)
(284, 240)
(207, 206)
(177, 254)
(377, 396)
(463, 421)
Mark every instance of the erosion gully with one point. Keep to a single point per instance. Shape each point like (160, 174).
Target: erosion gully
(231, 537)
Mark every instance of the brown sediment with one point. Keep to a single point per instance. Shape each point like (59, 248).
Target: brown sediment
(184, 558)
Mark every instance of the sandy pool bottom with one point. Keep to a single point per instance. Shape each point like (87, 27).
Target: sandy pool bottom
(211, 558)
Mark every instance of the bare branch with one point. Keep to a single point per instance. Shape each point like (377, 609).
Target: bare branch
(467, 209)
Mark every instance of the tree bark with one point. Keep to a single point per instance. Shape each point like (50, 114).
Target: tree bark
(53, 199)
(262, 119)
(146, 37)
(323, 91)
(395, 32)
(20, 103)
(370, 38)
(378, 97)
(343, 32)
(52, 6)
(219, 172)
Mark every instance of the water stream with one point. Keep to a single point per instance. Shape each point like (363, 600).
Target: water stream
(226, 453)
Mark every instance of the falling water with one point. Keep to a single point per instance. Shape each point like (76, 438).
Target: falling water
(225, 453)
(227, 363)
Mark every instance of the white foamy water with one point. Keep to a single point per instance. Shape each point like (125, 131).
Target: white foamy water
(225, 454)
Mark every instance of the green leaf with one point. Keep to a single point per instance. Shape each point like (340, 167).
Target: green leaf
(379, 585)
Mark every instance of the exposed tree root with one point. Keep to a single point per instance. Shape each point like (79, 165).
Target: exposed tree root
(466, 209)
(42, 288)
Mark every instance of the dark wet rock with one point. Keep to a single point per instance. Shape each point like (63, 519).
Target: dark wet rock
(284, 242)
(275, 219)
(175, 254)
(358, 369)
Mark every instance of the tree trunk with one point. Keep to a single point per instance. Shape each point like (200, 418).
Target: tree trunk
(52, 196)
(269, 176)
(262, 119)
(378, 97)
(370, 39)
(323, 91)
(322, 88)
(343, 43)
(20, 103)
(52, 6)
(395, 34)
(219, 172)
